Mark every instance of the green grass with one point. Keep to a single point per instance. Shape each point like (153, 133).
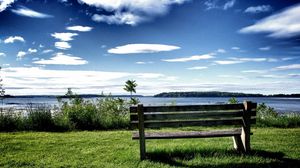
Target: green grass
(271, 147)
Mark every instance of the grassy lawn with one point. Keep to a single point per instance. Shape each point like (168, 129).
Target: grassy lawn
(271, 147)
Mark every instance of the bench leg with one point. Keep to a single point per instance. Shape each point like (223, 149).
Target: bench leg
(237, 143)
(142, 148)
(246, 139)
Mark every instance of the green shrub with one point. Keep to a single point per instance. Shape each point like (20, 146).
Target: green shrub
(105, 113)
(11, 121)
(39, 118)
(291, 120)
(61, 121)
(113, 112)
(268, 117)
(233, 100)
(264, 111)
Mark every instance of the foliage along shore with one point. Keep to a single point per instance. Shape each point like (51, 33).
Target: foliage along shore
(106, 114)
(220, 94)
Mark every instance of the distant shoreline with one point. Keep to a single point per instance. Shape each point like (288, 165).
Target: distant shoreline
(165, 94)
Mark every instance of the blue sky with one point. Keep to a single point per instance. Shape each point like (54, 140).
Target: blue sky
(165, 45)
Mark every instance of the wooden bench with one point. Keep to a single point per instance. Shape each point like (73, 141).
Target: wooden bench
(239, 115)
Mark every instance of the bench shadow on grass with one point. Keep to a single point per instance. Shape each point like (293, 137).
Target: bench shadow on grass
(177, 157)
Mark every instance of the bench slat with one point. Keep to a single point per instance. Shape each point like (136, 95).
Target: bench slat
(183, 108)
(189, 134)
(189, 115)
(185, 123)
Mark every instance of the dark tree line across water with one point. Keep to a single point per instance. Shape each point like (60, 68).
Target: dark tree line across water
(219, 94)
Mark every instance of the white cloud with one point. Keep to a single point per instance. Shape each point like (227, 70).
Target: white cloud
(235, 48)
(228, 62)
(272, 76)
(149, 75)
(119, 18)
(214, 4)
(281, 25)
(229, 4)
(6, 65)
(39, 80)
(30, 50)
(251, 59)
(266, 48)
(191, 58)
(221, 50)
(2, 54)
(64, 36)
(62, 59)
(235, 60)
(5, 4)
(23, 11)
(254, 71)
(142, 62)
(288, 67)
(294, 75)
(210, 4)
(288, 58)
(21, 54)
(47, 51)
(141, 48)
(272, 60)
(197, 68)
(62, 45)
(12, 39)
(258, 9)
(131, 12)
(79, 28)
(232, 76)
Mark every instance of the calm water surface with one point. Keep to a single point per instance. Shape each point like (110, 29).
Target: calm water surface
(280, 104)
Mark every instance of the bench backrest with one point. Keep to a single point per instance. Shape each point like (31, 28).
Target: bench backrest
(193, 115)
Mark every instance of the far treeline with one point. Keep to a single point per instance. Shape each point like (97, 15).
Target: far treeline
(219, 94)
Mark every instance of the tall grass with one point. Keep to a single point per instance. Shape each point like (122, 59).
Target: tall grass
(11, 120)
(105, 113)
(268, 117)
(75, 114)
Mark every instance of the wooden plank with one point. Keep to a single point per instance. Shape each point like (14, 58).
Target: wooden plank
(189, 134)
(191, 115)
(183, 108)
(133, 109)
(186, 123)
(216, 122)
(188, 115)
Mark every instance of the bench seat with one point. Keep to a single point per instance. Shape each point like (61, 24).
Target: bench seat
(189, 134)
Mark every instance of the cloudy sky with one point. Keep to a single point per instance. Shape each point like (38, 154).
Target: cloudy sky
(47, 46)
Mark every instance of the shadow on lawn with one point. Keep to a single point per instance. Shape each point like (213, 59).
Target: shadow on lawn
(177, 157)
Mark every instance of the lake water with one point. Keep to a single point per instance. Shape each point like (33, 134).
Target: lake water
(280, 104)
